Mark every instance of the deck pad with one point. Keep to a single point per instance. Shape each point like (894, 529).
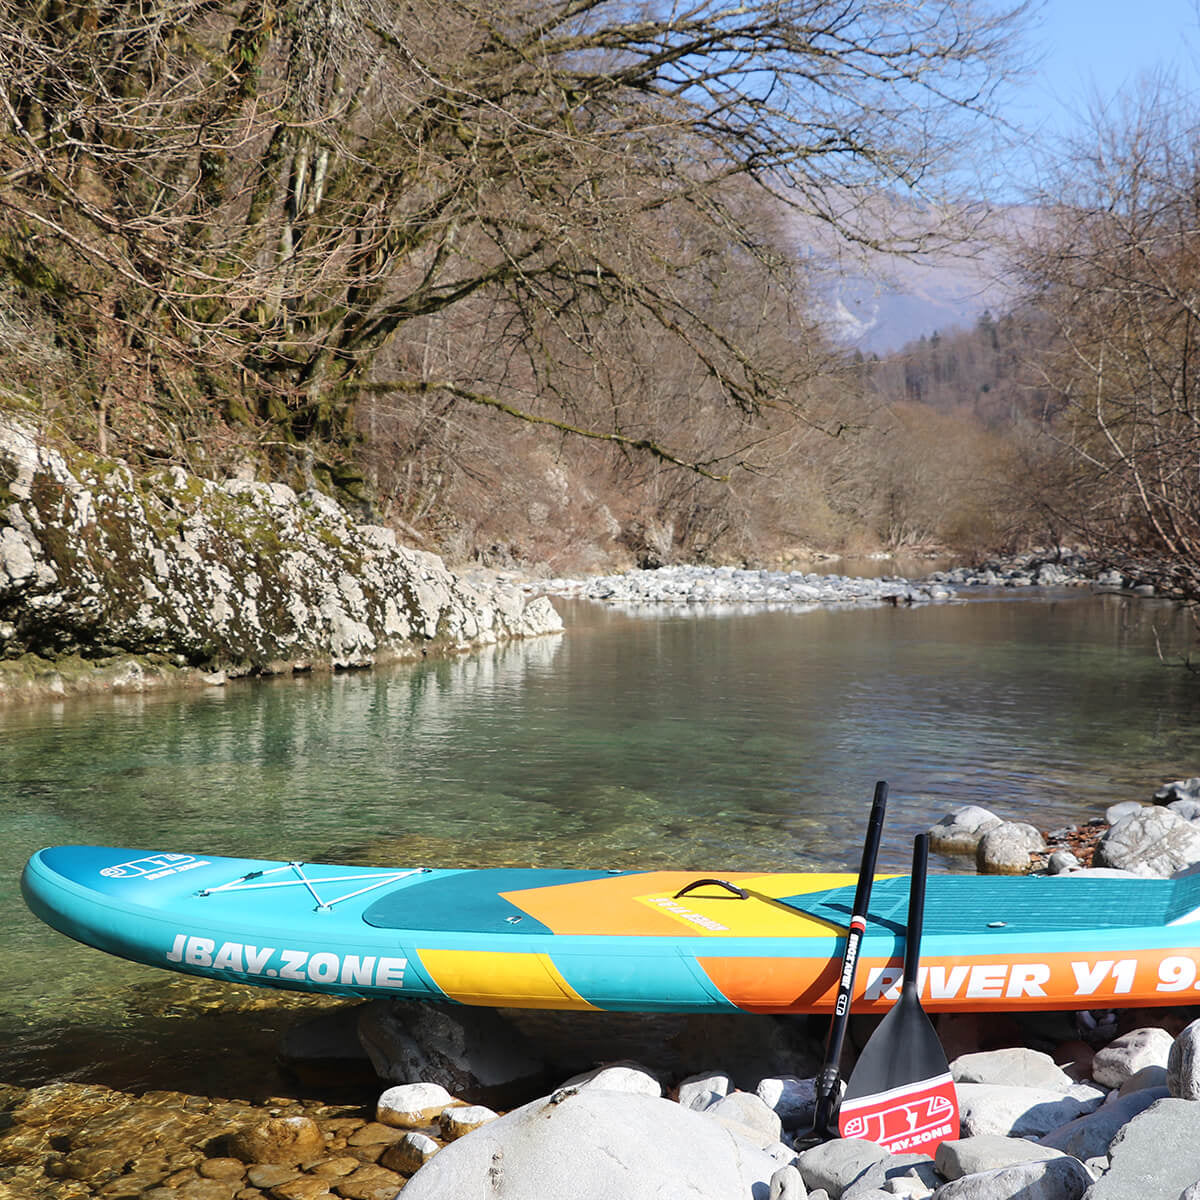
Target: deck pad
(1020, 904)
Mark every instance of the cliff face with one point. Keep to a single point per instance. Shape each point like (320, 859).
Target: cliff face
(179, 573)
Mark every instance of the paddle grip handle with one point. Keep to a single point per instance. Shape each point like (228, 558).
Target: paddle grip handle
(866, 868)
(916, 909)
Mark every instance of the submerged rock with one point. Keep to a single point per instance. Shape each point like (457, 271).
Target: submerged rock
(471, 1052)
(283, 1140)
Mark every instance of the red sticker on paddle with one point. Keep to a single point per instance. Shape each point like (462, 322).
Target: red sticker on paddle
(913, 1119)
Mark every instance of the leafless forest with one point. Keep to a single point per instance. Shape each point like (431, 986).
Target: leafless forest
(541, 281)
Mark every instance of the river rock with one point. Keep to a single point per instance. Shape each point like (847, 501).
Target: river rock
(410, 1105)
(1061, 1178)
(231, 1170)
(281, 1140)
(1123, 808)
(617, 1077)
(959, 832)
(987, 1152)
(594, 1145)
(1152, 842)
(748, 1116)
(1089, 1136)
(376, 1133)
(786, 1184)
(794, 1099)
(1017, 1111)
(1183, 1064)
(1124, 1057)
(410, 1153)
(1017, 1066)
(370, 1182)
(898, 1174)
(1005, 848)
(459, 1121)
(699, 1091)
(1062, 860)
(272, 1175)
(474, 1053)
(1146, 1077)
(1189, 810)
(1156, 1154)
(232, 576)
(834, 1166)
(1181, 789)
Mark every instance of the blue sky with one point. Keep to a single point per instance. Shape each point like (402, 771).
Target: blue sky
(1090, 46)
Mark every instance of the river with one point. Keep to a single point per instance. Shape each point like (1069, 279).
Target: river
(740, 740)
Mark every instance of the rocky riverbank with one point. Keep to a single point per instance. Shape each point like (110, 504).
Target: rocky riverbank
(709, 586)
(1098, 1105)
(116, 581)
(701, 587)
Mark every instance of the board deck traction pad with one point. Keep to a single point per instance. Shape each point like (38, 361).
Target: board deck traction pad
(625, 940)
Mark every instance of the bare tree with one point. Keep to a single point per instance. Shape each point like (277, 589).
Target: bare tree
(1116, 269)
(232, 205)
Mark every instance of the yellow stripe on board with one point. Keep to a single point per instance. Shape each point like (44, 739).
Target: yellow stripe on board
(493, 977)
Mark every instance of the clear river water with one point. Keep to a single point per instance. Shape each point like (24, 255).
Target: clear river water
(714, 741)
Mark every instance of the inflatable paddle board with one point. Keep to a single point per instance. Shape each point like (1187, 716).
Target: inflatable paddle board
(667, 941)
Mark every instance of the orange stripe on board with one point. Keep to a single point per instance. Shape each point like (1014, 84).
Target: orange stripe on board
(979, 983)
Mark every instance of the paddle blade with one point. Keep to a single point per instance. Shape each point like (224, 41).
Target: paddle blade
(901, 1094)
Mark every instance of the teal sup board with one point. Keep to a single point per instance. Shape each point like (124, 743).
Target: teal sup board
(670, 941)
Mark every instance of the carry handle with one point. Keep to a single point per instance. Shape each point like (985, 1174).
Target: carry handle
(739, 892)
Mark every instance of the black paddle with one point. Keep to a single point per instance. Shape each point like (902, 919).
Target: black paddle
(828, 1086)
(900, 1092)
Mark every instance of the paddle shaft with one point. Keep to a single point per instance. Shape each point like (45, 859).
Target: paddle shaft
(827, 1082)
(916, 912)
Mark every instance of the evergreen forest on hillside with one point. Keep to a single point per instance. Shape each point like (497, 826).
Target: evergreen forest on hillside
(540, 281)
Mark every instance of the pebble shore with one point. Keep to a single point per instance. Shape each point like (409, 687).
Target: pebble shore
(688, 586)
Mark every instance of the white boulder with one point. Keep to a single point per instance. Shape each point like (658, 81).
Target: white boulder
(593, 1145)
